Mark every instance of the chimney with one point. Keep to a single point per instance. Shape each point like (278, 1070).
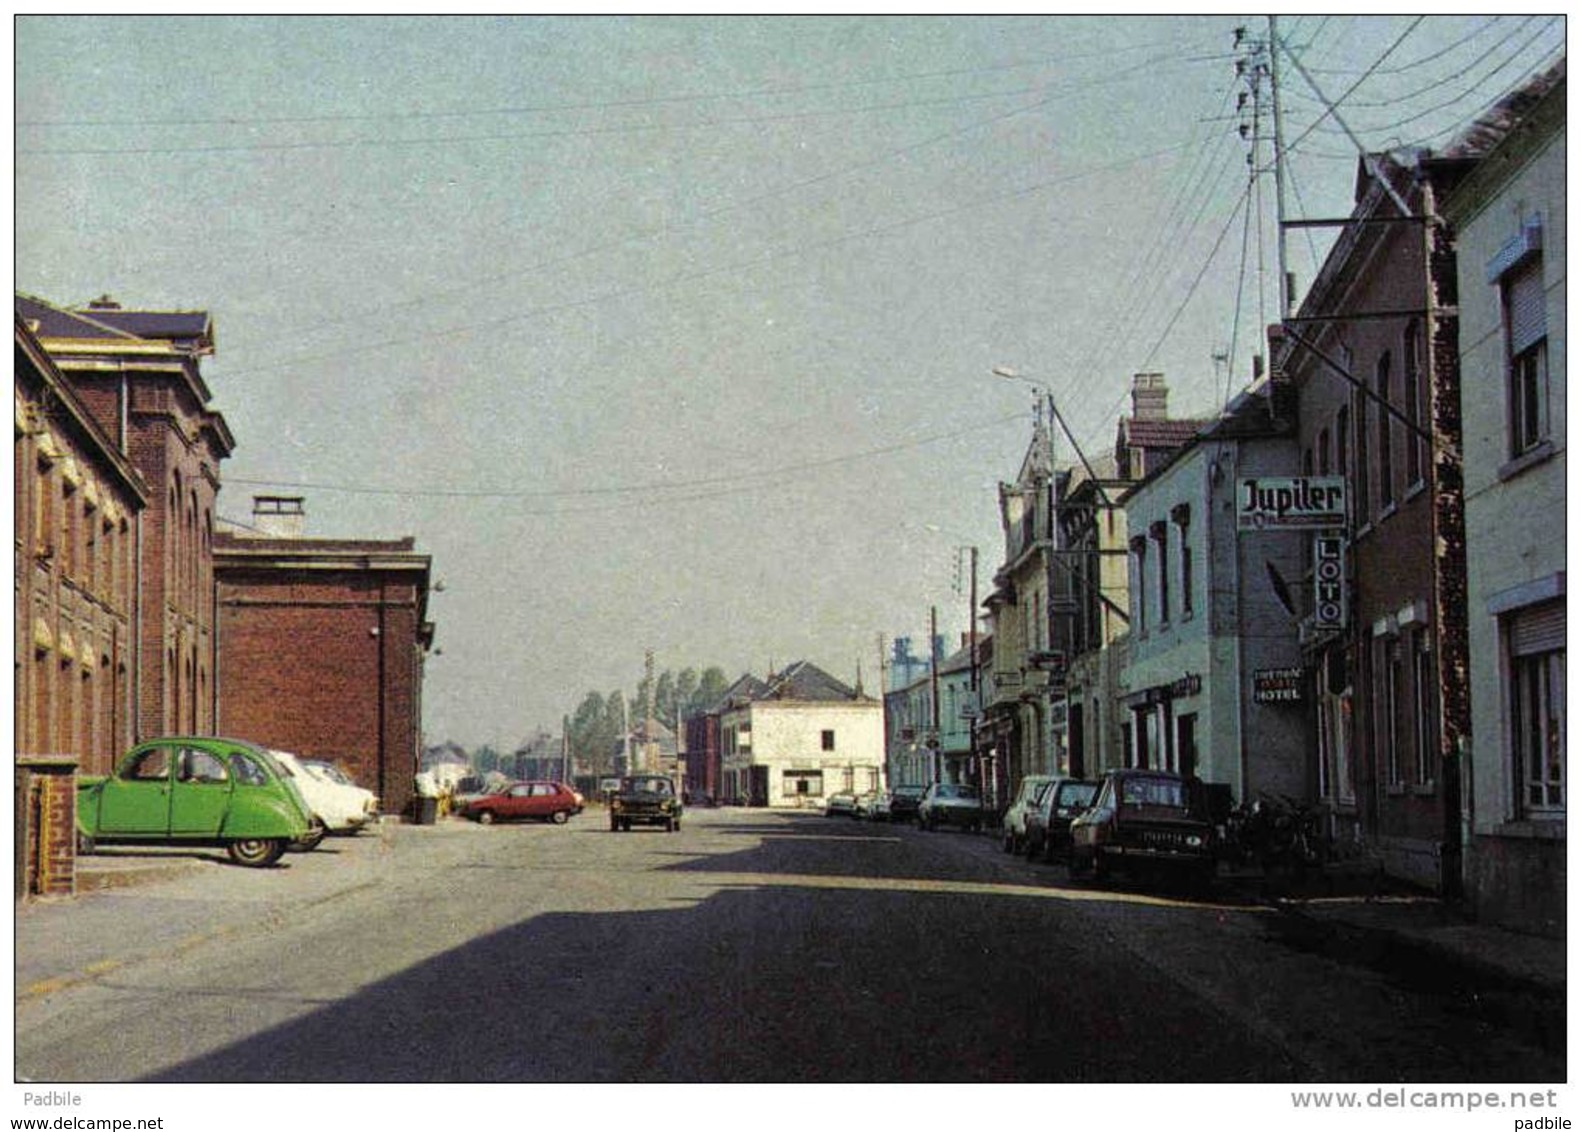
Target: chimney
(279, 516)
(1149, 397)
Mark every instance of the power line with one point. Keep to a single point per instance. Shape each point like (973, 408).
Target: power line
(695, 276)
(579, 107)
(708, 214)
(647, 488)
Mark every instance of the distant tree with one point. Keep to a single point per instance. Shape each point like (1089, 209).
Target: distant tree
(485, 759)
(686, 687)
(664, 705)
(710, 689)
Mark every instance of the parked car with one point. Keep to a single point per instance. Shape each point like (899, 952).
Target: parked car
(1013, 830)
(334, 808)
(541, 799)
(1048, 823)
(195, 791)
(645, 799)
(1145, 820)
(950, 803)
(903, 802)
(840, 805)
(873, 806)
(333, 773)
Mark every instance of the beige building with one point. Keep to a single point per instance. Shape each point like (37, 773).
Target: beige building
(805, 737)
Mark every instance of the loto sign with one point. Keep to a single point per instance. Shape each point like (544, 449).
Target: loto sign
(1290, 502)
(1328, 581)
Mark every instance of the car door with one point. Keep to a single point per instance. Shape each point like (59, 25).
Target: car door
(518, 801)
(135, 800)
(542, 801)
(201, 795)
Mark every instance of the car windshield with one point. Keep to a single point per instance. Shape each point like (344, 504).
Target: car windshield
(949, 790)
(647, 785)
(908, 792)
(1149, 791)
(1076, 794)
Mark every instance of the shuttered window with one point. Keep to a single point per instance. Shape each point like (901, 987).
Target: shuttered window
(1536, 638)
(1538, 629)
(1526, 324)
(1523, 298)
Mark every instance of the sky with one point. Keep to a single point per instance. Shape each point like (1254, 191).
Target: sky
(677, 333)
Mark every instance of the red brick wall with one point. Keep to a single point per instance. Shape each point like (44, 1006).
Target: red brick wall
(302, 656)
(49, 815)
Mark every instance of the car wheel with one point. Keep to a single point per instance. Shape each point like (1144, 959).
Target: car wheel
(315, 834)
(256, 853)
(85, 844)
(486, 817)
(625, 826)
(560, 817)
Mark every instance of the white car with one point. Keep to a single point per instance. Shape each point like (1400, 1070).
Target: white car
(1014, 831)
(369, 800)
(338, 807)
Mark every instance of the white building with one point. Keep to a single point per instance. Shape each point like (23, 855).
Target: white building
(1213, 684)
(806, 737)
(1509, 215)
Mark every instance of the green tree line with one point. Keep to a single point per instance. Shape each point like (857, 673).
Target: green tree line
(596, 727)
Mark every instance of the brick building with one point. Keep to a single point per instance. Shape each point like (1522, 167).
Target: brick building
(322, 644)
(77, 503)
(136, 374)
(1371, 408)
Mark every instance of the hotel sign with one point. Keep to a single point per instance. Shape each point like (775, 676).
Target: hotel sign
(1276, 685)
(1290, 503)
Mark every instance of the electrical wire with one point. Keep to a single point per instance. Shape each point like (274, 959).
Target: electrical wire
(693, 276)
(580, 107)
(708, 214)
(646, 488)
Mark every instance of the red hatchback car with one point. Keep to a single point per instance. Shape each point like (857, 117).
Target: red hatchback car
(544, 800)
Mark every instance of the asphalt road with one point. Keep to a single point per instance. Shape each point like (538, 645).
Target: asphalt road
(748, 947)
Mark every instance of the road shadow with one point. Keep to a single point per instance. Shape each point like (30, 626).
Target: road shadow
(792, 983)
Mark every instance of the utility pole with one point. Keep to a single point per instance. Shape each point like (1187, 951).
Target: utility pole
(883, 712)
(1287, 282)
(977, 695)
(648, 752)
(933, 668)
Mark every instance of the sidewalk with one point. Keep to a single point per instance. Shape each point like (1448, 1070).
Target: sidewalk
(1354, 911)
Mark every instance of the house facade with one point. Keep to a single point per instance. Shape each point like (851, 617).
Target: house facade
(1509, 219)
(807, 735)
(1016, 715)
(1213, 681)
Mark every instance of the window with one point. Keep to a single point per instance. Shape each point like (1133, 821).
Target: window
(804, 783)
(1342, 446)
(828, 740)
(1160, 533)
(150, 766)
(1138, 583)
(1387, 710)
(1385, 436)
(200, 766)
(1537, 708)
(1322, 453)
(1423, 715)
(1413, 396)
(1526, 332)
(1181, 515)
(1361, 474)
(248, 772)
